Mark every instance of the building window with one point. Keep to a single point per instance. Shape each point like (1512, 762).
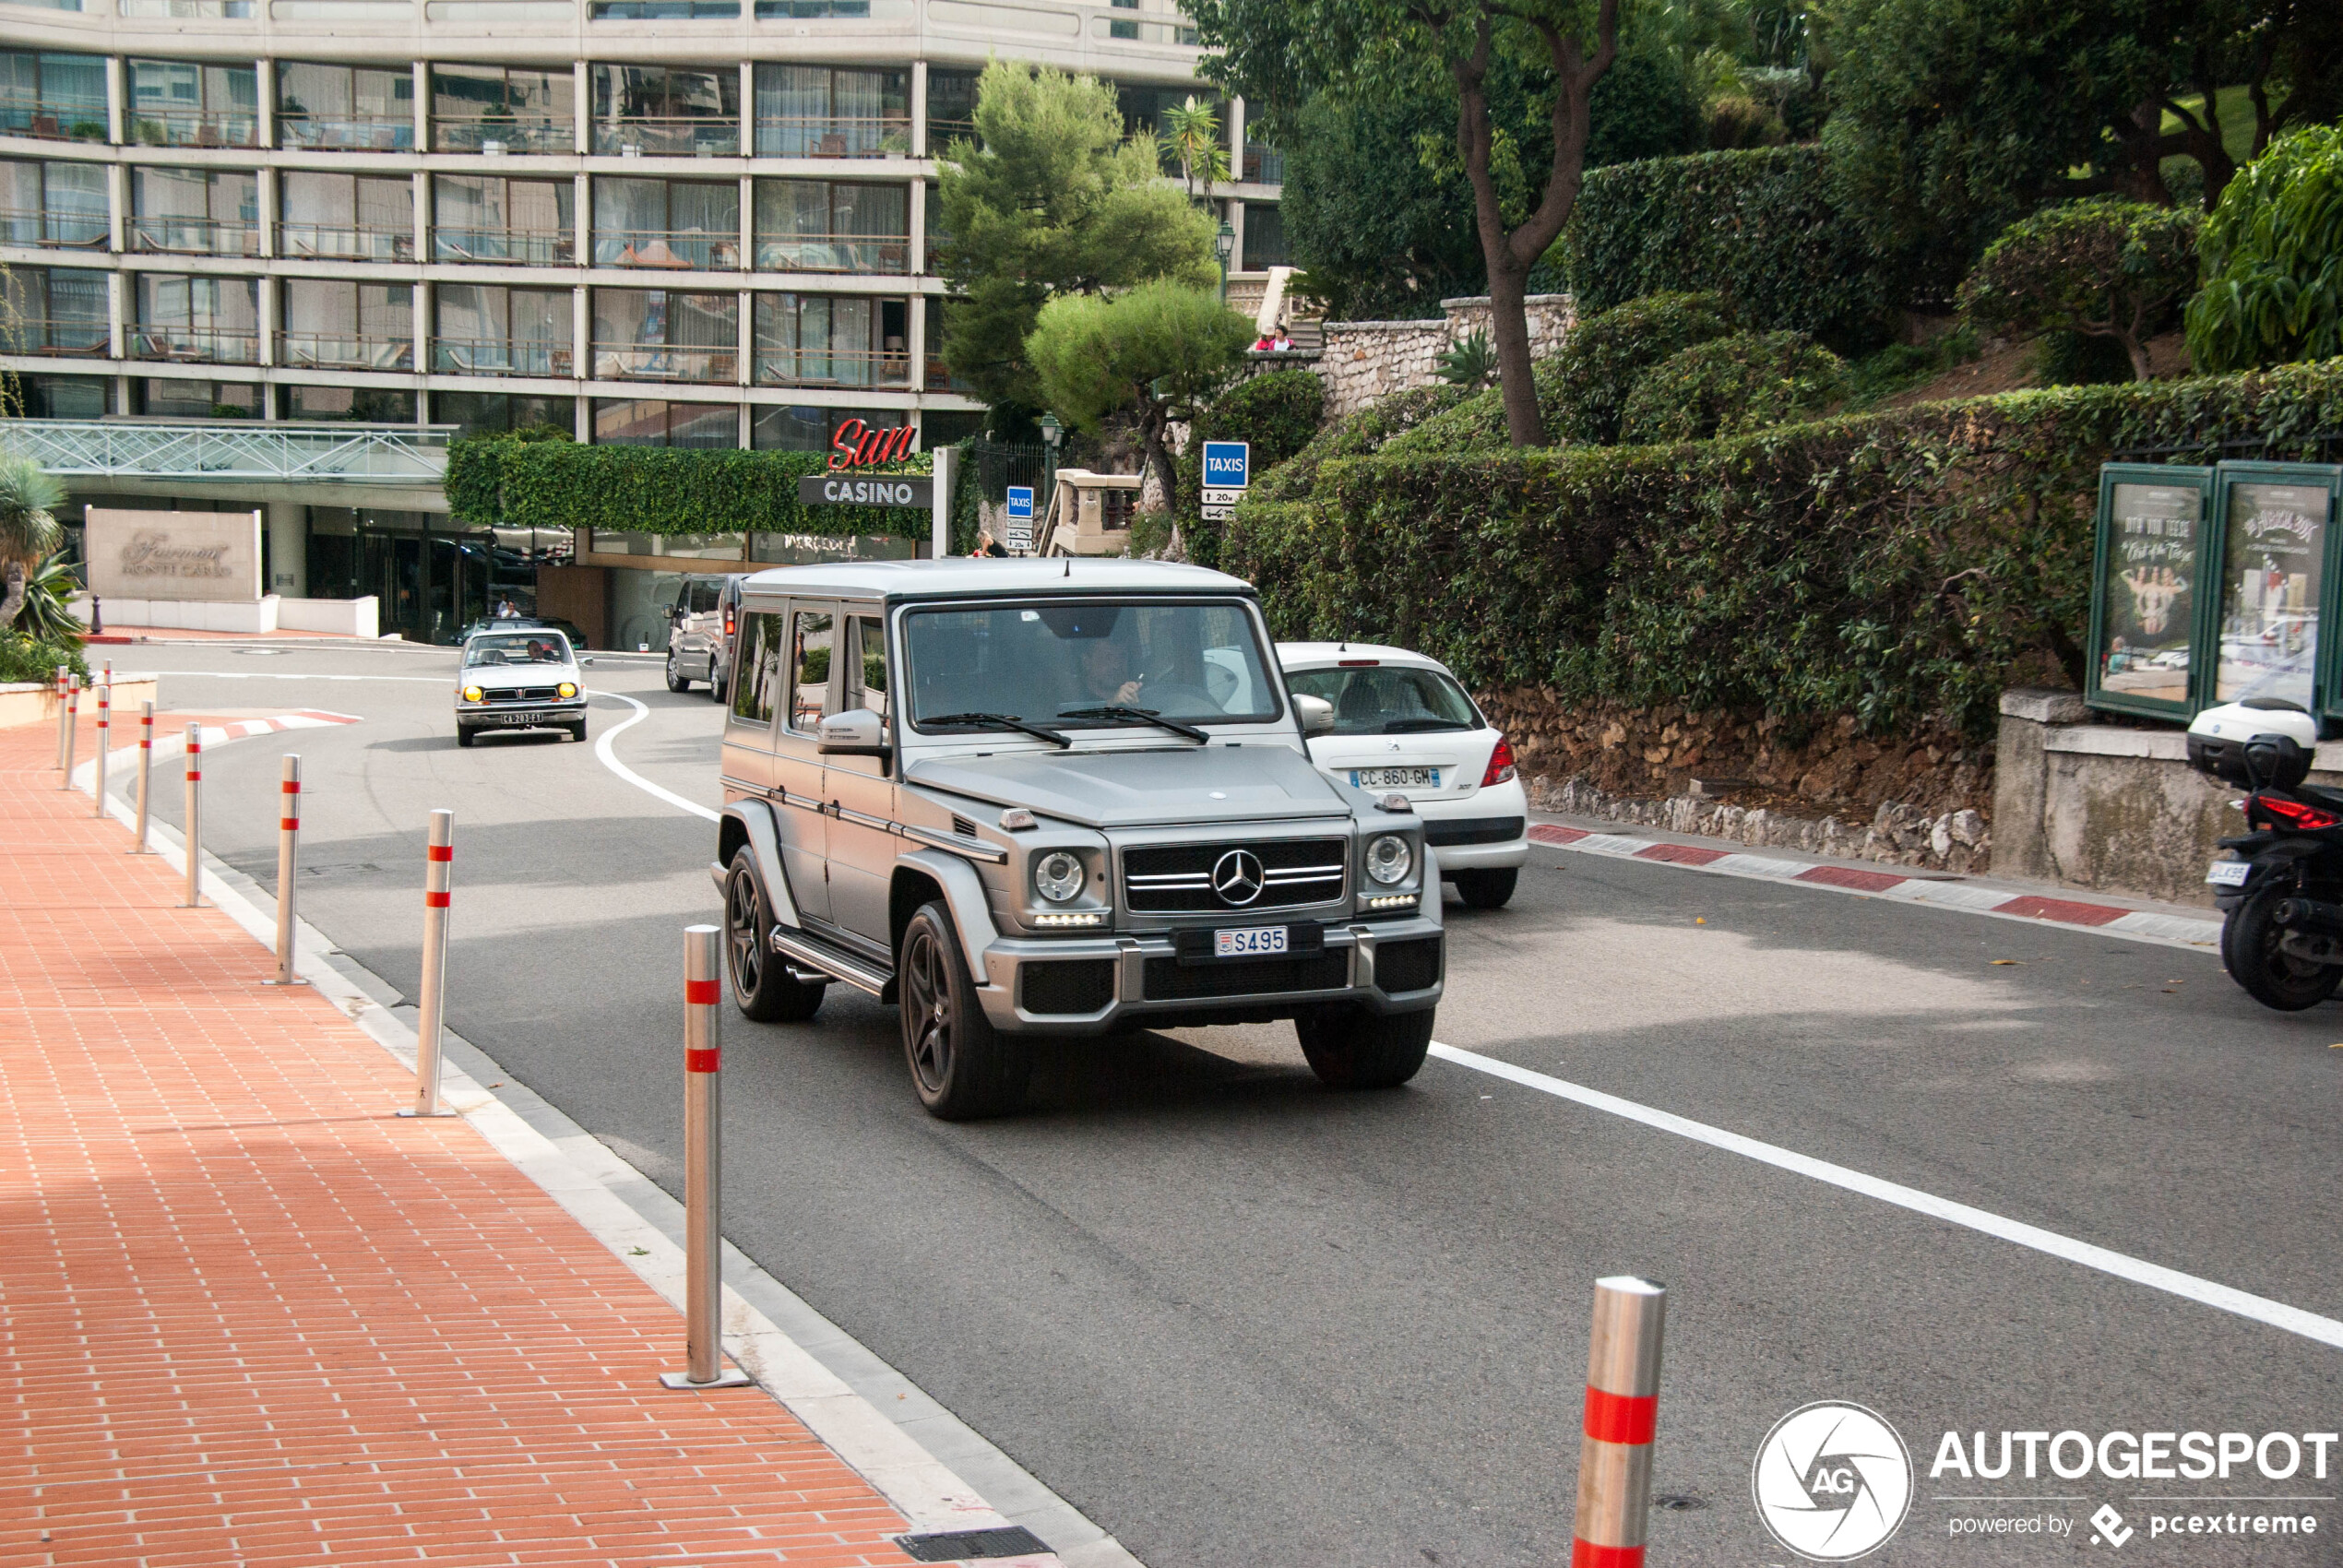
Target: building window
(815, 112)
(689, 224)
(194, 211)
(647, 111)
(774, 10)
(483, 329)
(195, 399)
(1265, 237)
(939, 379)
(198, 320)
(497, 109)
(659, 335)
(336, 324)
(61, 96)
(831, 340)
(498, 413)
(345, 108)
(831, 226)
(943, 427)
(365, 405)
(808, 429)
(1263, 165)
(1143, 107)
(951, 107)
(484, 218)
(65, 397)
(183, 104)
(60, 206)
(345, 216)
(653, 421)
(664, 10)
(52, 310)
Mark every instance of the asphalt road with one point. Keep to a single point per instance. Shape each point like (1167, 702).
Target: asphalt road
(1240, 1320)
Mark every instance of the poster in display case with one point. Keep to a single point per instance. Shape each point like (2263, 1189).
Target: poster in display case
(2275, 570)
(2145, 601)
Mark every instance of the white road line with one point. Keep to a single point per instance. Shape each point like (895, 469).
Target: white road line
(2261, 1308)
(604, 750)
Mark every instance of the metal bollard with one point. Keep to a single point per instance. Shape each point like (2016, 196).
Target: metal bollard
(195, 817)
(145, 771)
(73, 721)
(105, 734)
(431, 1003)
(288, 868)
(65, 684)
(1622, 1409)
(703, 1162)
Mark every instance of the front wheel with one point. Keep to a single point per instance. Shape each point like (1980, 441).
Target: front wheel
(465, 737)
(961, 1066)
(2271, 976)
(676, 680)
(763, 988)
(1487, 889)
(716, 685)
(1351, 1049)
(578, 730)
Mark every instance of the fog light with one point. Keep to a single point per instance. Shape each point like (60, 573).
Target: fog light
(1085, 917)
(1391, 901)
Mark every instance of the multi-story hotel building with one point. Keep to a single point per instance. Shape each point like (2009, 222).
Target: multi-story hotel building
(666, 222)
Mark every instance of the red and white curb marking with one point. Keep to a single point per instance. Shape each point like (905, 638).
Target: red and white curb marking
(2177, 931)
(307, 719)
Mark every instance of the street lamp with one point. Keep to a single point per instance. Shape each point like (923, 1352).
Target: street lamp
(1052, 433)
(1224, 246)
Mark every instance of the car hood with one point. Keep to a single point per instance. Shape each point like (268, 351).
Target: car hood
(1137, 789)
(503, 677)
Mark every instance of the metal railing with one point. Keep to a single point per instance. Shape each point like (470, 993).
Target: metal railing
(52, 334)
(689, 135)
(328, 243)
(691, 250)
(193, 236)
(56, 230)
(830, 136)
(54, 119)
(500, 356)
(831, 367)
(941, 132)
(940, 379)
(196, 345)
(507, 247)
(834, 252)
(502, 135)
(353, 133)
(200, 450)
(658, 361)
(194, 127)
(345, 351)
(1264, 165)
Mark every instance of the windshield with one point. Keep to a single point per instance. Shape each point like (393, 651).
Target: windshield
(1389, 699)
(1195, 662)
(517, 648)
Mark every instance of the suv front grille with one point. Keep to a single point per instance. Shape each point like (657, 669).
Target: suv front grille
(1181, 878)
(1168, 979)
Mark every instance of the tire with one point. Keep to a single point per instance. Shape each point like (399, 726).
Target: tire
(716, 686)
(960, 1065)
(1487, 889)
(676, 680)
(578, 730)
(1351, 1049)
(2250, 950)
(465, 737)
(763, 989)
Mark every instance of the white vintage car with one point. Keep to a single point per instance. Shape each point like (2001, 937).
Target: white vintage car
(518, 679)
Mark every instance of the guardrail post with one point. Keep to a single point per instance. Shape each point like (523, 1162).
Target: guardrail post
(73, 721)
(703, 1166)
(1623, 1409)
(195, 817)
(288, 867)
(145, 772)
(439, 859)
(105, 734)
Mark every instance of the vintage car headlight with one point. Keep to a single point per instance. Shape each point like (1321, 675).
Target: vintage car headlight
(1057, 876)
(1389, 858)
(473, 693)
(567, 688)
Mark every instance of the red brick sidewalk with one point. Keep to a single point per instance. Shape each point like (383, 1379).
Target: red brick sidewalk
(252, 1317)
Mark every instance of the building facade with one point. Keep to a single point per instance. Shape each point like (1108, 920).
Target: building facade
(666, 222)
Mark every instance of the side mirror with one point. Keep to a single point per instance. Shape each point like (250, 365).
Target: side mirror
(1315, 713)
(856, 732)
(588, 660)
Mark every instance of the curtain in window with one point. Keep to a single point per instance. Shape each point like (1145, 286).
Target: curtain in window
(20, 195)
(73, 87)
(471, 332)
(793, 106)
(542, 331)
(704, 425)
(703, 221)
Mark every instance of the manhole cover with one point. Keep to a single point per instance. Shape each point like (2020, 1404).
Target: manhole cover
(1679, 1503)
(963, 1546)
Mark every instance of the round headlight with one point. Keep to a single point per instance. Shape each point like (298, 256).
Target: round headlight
(1058, 876)
(1389, 859)
(568, 688)
(471, 693)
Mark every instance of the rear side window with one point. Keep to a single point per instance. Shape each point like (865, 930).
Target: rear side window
(704, 592)
(810, 666)
(1389, 699)
(757, 688)
(866, 667)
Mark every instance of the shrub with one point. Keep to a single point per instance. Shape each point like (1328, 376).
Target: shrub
(2272, 252)
(1278, 414)
(1761, 228)
(1727, 386)
(495, 481)
(28, 659)
(1477, 423)
(1600, 360)
(2099, 269)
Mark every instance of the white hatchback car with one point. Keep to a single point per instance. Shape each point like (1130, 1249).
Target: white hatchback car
(1402, 723)
(519, 680)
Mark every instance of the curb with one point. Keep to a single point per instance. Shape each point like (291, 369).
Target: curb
(1945, 892)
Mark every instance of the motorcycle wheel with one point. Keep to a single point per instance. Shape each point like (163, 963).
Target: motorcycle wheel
(2250, 951)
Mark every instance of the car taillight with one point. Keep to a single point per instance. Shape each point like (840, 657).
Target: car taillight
(1500, 764)
(727, 623)
(2297, 814)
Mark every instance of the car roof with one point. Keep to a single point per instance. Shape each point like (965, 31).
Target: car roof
(1327, 656)
(957, 578)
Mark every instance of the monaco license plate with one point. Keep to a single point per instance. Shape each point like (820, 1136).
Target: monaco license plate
(1250, 941)
(518, 718)
(2228, 874)
(1395, 778)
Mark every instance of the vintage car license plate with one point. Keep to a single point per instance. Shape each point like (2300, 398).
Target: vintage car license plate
(2228, 874)
(518, 718)
(1252, 941)
(1395, 778)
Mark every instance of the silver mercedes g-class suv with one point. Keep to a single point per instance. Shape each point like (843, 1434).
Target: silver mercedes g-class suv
(1021, 797)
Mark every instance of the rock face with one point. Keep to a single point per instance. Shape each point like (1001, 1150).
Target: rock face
(1898, 833)
(1363, 360)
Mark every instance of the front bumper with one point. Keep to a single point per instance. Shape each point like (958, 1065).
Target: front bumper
(1140, 981)
(521, 715)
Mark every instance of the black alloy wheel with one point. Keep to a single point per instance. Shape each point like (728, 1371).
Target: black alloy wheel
(676, 680)
(1486, 889)
(961, 1066)
(763, 987)
(2251, 951)
(1350, 1047)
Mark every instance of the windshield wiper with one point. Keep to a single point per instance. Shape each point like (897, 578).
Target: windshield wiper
(1136, 716)
(1000, 720)
(1408, 725)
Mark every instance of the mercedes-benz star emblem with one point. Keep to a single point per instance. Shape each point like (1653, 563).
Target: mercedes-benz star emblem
(1236, 876)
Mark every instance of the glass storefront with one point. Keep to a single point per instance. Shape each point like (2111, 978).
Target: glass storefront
(430, 581)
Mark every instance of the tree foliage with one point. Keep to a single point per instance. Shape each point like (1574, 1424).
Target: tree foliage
(1277, 414)
(498, 482)
(1053, 198)
(2273, 250)
(2101, 268)
(29, 496)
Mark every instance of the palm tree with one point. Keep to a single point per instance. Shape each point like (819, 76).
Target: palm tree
(28, 499)
(1192, 139)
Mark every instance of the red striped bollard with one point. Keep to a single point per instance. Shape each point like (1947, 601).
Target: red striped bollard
(431, 1003)
(73, 722)
(145, 772)
(1623, 1409)
(195, 817)
(105, 739)
(703, 1162)
(288, 867)
(65, 684)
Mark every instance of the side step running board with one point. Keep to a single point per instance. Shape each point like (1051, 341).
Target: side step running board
(816, 954)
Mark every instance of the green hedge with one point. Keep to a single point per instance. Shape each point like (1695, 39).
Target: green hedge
(24, 658)
(1890, 565)
(1760, 227)
(1278, 414)
(1727, 386)
(500, 483)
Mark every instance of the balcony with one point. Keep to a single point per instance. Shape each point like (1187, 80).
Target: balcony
(507, 247)
(658, 361)
(355, 133)
(55, 335)
(337, 350)
(940, 379)
(193, 236)
(192, 127)
(941, 132)
(321, 241)
(831, 367)
(53, 119)
(196, 345)
(500, 356)
(696, 136)
(879, 254)
(694, 250)
(504, 136)
(1264, 165)
(833, 136)
(53, 231)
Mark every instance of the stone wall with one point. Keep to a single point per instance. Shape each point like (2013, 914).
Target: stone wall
(1363, 360)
